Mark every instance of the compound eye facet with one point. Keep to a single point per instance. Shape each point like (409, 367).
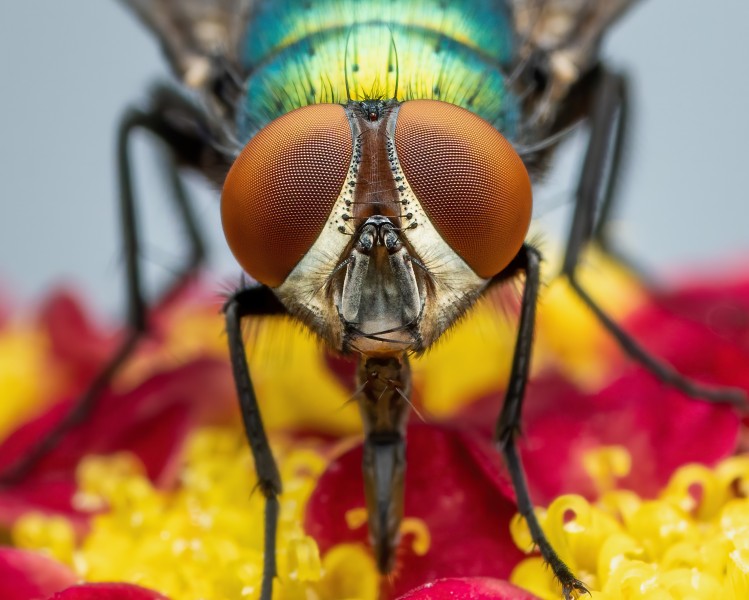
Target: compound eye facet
(472, 184)
(282, 187)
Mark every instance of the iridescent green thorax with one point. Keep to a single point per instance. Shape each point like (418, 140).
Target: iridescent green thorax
(300, 52)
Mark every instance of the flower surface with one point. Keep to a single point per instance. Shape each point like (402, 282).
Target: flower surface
(153, 493)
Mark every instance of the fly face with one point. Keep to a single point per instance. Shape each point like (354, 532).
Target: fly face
(379, 223)
(380, 301)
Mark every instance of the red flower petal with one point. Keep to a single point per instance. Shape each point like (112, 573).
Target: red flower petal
(469, 588)
(453, 484)
(81, 345)
(45, 496)
(30, 576)
(150, 420)
(343, 368)
(107, 591)
(660, 428)
(702, 330)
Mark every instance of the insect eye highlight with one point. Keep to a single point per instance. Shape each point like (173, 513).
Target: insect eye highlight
(472, 184)
(282, 187)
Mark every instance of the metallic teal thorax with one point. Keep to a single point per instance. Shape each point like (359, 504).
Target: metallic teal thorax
(301, 52)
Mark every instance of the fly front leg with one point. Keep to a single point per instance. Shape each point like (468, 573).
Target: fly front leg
(164, 121)
(508, 425)
(385, 385)
(253, 302)
(598, 180)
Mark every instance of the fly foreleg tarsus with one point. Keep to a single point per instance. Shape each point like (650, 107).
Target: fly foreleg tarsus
(256, 301)
(571, 585)
(598, 180)
(528, 261)
(162, 120)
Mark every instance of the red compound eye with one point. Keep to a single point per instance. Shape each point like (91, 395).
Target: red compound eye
(469, 179)
(282, 187)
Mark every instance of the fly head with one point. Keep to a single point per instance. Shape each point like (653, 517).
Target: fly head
(377, 223)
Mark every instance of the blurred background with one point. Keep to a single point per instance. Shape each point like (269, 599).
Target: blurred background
(68, 69)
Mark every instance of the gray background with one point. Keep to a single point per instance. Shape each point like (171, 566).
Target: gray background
(68, 68)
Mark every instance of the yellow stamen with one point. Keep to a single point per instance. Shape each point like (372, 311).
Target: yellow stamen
(205, 538)
(691, 542)
(304, 560)
(422, 539)
(54, 535)
(350, 574)
(606, 464)
(356, 517)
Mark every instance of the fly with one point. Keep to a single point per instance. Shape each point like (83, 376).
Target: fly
(377, 161)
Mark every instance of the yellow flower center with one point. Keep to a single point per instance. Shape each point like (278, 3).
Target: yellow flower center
(691, 542)
(204, 539)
